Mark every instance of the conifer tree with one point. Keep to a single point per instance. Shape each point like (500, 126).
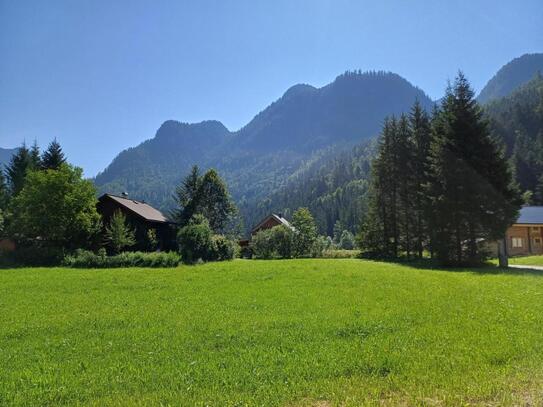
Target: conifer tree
(17, 169)
(53, 157)
(470, 185)
(35, 160)
(186, 197)
(421, 137)
(118, 234)
(4, 192)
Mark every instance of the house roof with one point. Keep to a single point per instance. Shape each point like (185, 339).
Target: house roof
(276, 217)
(530, 215)
(140, 208)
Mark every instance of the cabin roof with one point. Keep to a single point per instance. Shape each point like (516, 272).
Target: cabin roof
(275, 216)
(530, 215)
(140, 208)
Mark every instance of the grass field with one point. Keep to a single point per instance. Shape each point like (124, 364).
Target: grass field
(527, 260)
(294, 332)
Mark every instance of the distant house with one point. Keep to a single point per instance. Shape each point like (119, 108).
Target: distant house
(525, 236)
(141, 216)
(268, 222)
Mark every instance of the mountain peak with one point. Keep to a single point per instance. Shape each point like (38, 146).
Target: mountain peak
(510, 76)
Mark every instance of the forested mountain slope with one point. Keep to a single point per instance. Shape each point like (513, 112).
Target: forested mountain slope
(512, 75)
(518, 120)
(258, 159)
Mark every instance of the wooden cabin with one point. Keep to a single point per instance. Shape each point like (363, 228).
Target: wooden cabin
(525, 236)
(142, 217)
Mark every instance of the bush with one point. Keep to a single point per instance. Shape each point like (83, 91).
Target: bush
(88, 259)
(340, 254)
(274, 242)
(347, 240)
(222, 248)
(262, 244)
(320, 244)
(35, 255)
(195, 240)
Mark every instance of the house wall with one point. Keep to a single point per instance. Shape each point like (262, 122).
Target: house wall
(531, 238)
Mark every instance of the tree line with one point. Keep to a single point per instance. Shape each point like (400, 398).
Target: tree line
(440, 184)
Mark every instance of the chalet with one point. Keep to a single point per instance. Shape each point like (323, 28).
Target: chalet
(270, 221)
(525, 236)
(141, 216)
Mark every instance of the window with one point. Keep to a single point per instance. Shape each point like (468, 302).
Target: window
(535, 229)
(537, 241)
(516, 241)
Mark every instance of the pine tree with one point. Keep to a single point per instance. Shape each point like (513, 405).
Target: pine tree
(421, 138)
(17, 169)
(53, 157)
(118, 234)
(35, 160)
(186, 197)
(4, 192)
(470, 185)
(406, 191)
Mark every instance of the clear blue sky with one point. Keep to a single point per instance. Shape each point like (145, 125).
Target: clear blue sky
(103, 75)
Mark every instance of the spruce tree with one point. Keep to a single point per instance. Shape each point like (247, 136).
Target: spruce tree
(4, 192)
(16, 170)
(470, 186)
(53, 157)
(421, 137)
(185, 197)
(35, 160)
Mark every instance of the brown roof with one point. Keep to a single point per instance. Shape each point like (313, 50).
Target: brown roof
(279, 218)
(142, 209)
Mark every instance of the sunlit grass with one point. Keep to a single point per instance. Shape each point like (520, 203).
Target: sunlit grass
(293, 332)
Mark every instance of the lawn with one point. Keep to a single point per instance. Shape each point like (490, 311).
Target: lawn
(527, 260)
(289, 333)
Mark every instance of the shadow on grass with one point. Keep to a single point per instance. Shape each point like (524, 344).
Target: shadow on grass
(485, 268)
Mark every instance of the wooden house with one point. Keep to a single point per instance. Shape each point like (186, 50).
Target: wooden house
(525, 236)
(270, 221)
(142, 217)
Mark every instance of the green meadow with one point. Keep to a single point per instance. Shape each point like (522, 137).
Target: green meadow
(271, 333)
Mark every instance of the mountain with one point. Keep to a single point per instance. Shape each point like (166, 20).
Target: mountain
(510, 76)
(5, 155)
(258, 159)
(517, 120)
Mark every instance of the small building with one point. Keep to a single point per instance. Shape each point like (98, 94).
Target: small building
(525, 236)
(270, 221)
(142, 217)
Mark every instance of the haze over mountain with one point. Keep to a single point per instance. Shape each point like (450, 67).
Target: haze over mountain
(510, 76)
(258, 158)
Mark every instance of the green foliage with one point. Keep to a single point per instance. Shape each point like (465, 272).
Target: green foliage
(88, 259)
(20, 163)
(195, 240)
(222, 248)
(118, 235)
(443, 187)
(4, 192)
(321, 332)
(305, 232)
(263, 245)
(320, 245)
(471, 189)
(53, 157)
(347, 241)
(152, 240)
(205, 195)
(55, 208)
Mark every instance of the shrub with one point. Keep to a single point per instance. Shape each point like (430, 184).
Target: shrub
(195, 240)
(222, 248)
(262, 244)
(320, 244)
(347, 240)
(340, 254)
(282, 241)
(88, 259)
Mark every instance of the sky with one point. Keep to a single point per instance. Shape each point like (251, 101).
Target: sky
(101, 76)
